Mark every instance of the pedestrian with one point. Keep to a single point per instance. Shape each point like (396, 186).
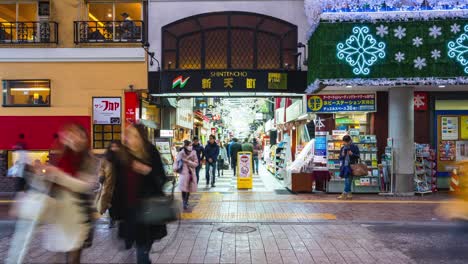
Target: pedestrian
(247, 146)
(236, 147)
(75, 179)
(228, 148)
(187, 175)
(257, 149)
(349, 154)
(211, 156)
(200, 151)
(110, 180)
(222, 158)
(143, 178)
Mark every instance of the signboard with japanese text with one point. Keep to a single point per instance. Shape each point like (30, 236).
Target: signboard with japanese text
(206, 81)
(131, 107)
(107, 110)
(244, 170)
(421, 101)
(184, 113)
(335, 103)
(449, 127)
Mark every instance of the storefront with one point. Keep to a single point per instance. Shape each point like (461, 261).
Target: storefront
(405, 61)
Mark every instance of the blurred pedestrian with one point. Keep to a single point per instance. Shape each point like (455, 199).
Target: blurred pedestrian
(236, 147)
(75, 179)
(143, 178)
(222, 158)
(211, 155)
(110, 167)
(200, 151)
(187, 174)
(257, 150)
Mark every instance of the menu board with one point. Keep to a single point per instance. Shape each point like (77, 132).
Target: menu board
(449, 127)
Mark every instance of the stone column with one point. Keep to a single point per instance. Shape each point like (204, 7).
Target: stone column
(401, 130)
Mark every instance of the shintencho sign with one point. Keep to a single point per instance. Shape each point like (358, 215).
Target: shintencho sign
(206, 81)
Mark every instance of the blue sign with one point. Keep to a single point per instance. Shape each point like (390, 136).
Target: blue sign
(334, 103)
(320, 146)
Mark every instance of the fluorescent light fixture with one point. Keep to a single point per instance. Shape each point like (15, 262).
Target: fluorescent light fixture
(441, 86)
(349, 86)
(30, 89)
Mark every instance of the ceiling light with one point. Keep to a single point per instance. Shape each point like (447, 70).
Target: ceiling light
(30, 89)
(441, 86)
(109, 15)
(349, 86)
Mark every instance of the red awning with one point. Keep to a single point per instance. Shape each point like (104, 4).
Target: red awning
(38, 131)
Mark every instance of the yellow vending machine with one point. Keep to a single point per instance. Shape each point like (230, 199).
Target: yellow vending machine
(244, 170)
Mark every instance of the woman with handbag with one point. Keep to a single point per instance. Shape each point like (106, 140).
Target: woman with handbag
(349, 155)
(143, 177)
(74, 179)
(185, 165)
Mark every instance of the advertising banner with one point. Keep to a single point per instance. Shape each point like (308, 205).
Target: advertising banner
(131, 108)
(107, 110)
(333, 103)
(244, 170)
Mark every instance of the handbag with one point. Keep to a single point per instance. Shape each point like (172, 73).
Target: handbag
(158, 210)
(359, 169)
(180, 165)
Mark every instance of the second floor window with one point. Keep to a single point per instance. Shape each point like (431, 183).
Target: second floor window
(12, 11)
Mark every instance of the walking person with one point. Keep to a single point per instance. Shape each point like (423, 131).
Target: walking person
(211, 156)
(257, 149)
(187, 176)
(222, 158)
(349, 154)
(200, 152)
(110, 180)
(143, 178)
(236, 147)
(74, 179)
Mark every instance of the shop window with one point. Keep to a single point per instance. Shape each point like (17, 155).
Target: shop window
(103, 135)
(26, 93)
(17, 21)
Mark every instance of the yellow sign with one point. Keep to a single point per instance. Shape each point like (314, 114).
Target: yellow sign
(315, 103)
(244, 170)
(464, 127)
(206, 83)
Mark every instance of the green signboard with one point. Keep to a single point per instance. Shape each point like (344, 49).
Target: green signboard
(389, 50)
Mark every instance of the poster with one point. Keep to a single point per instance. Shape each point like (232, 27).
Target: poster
(244, 170)
(462, 150)
(464, 127)
(333, 103)
(449, 127)
(106, 110)
(447, 150)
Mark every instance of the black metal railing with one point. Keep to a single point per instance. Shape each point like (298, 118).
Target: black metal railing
(28, 32)
(128, 31)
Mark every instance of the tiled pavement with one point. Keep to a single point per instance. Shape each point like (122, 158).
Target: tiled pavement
(290, 228)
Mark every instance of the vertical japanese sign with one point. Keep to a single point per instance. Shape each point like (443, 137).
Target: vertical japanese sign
(131, 107)
(244, 170)
(421, 100)
(107, 110)
(332, 103)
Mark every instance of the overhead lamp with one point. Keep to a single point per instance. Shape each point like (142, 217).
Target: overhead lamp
(441, 86)
(349, 86)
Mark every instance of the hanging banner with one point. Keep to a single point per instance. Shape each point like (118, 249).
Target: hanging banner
(106, 110)
(244, 170)
(131, 108)
(333, 103)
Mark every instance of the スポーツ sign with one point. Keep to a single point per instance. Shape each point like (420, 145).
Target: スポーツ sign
(333, 103)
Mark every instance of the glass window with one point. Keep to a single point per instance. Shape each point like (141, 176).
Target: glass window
(26, 93)
(14, 12)
(100, 12)
(27, 12)
(115, 11)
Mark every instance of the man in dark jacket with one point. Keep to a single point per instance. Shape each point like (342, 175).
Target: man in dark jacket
(211, 155)
(349, 154)
(236, 147)
(200, 150)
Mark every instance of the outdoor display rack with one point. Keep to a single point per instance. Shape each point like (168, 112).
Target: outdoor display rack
(424, 169)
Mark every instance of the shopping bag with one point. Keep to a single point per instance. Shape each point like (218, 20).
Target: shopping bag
(359, 169)
(35, 206)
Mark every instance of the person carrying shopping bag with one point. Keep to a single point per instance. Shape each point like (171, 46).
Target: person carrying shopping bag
(349, 155)
(186, 164)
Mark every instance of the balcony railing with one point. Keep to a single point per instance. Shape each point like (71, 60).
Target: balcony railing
(128, 31)
(28, 32)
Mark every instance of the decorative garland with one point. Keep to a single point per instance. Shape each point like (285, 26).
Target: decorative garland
(381, 10)
(313, 87)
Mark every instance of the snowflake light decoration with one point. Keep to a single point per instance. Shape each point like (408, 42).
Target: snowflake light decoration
(361, 50)
(420, 63)
(455, 28)
(400, 32)
(458, 49)
(399, 56)
(417, 41)
(435, 31)
(435, 54)
(382, 30)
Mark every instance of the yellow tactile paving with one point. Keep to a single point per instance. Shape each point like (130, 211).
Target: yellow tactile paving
(257, 216)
